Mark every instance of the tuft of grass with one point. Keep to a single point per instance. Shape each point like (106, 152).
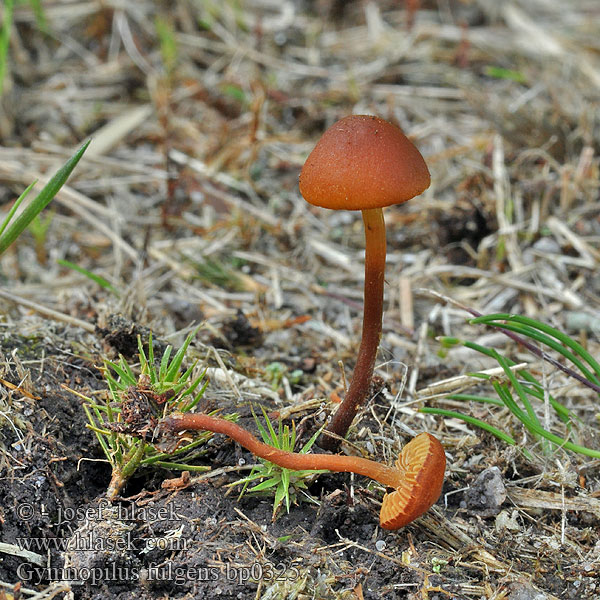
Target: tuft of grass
(125, 424)
(287, 486)
(216, 273)
(520, 391)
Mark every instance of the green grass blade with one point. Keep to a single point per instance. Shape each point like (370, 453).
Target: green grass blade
(183, 380)
(167, 43)
(113, 384)
(96, 407)
(95, 278)
(97, 430)
(196, 399)
(126, 376)
(133, 458)
(150, 360)
(565, 339)
(504, 393)
(131, 378)
(101, 438)
(475, 398)
(5, 39)
(312, 440)
(280, 494)
(541, 337)
(40, 16)
(188, 388)
(179, 356)
(36, 206)
(546, 329)
(265, 485)
(164, 364)
(15, 207)
(263, 432)
(275, 441)
(539, 430)
(286, 438)
(536, 390)
(472, 421)
(285, 485)
(516, 386)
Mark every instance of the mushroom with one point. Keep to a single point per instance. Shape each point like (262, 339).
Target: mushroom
(363, 163)
(416, 479)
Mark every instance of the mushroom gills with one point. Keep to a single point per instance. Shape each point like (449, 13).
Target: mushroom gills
(422, 463)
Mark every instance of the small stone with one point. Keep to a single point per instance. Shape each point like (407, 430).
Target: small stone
(522, 591)
(488, 492)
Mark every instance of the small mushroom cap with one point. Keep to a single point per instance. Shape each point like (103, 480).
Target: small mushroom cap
(423, 463)
(363, 162)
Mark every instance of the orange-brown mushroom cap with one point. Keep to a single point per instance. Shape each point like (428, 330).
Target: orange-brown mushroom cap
(422, 463)
(363, 162)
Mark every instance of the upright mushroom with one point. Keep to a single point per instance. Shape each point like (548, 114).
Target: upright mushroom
(363, 163)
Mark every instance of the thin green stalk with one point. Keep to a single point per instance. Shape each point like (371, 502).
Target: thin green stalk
(555, 333)
(15, 207)
(520, 392)
(541, 337)
(537, 351)
(475, 398)
(196, 399)
(535, 428)
(99, 433)
(202, 439)
(150, 360)
(471, 420)
(5, 39)
(40, 17)
(35, 207)
(516, 386)
(133, 459)
(104, 283)
(536, 391)
(179, 356)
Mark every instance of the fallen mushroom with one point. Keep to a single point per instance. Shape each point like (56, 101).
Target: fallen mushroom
(363, 163)
(416, 478)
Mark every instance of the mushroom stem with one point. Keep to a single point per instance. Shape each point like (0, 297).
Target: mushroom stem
(388, 476)
(375, 248)
(416, 478)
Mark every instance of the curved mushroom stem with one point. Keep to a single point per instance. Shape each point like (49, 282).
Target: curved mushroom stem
(375, 247)
(388, 476)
